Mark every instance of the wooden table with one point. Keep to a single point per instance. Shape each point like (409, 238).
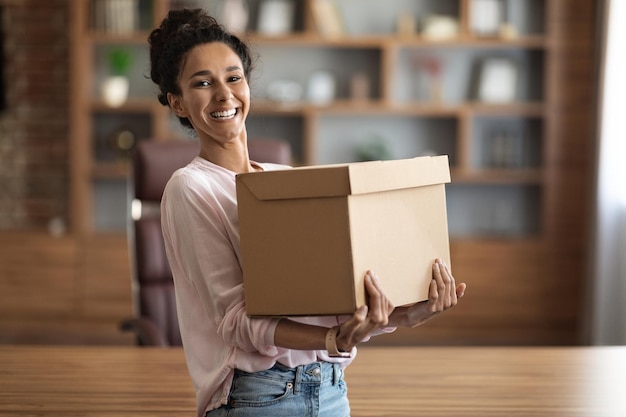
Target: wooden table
(484, 382)
(445, 382)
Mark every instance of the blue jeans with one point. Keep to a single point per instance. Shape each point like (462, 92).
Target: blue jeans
(314, 390)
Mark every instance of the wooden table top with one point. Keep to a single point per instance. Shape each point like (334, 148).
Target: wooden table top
(399, 382)
(485, 382)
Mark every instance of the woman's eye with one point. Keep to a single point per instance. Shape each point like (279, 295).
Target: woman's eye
(203, 83)
(234, 78)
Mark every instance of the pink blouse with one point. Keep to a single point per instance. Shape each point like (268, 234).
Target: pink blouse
(201, 231)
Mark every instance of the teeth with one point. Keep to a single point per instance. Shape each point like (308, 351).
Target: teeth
(224, 114)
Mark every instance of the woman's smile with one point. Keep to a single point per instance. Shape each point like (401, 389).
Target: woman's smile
(224, 114)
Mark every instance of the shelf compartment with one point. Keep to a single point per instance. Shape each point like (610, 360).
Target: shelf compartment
(140, 86)
(110, 203)
(451, 75)
(340, 138)
(106, 130)
(216, 8)
(509, 142)
(367, 17)
(305, 61)
(282, 127)
(120, 18)
(493, 210)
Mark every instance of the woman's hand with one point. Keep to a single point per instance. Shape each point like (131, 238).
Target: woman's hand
(367, 318)
(378, 313)
(442, 295)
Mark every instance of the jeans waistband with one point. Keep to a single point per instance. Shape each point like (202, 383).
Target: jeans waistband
(313, 373)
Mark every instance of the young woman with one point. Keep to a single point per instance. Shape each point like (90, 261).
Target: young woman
(243, 366)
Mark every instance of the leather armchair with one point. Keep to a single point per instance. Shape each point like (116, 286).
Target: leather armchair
(155, 321)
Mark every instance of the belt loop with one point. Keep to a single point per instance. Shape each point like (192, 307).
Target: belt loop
(336, 373)
(298, 380)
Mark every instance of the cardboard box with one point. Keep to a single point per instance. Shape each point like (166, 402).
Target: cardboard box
(309, 235)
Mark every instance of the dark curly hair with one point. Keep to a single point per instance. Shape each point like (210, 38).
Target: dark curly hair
(178, 33)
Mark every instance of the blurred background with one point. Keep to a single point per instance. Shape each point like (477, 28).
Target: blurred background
(522, 95)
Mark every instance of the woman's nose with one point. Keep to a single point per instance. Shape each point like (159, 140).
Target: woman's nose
(222, 92)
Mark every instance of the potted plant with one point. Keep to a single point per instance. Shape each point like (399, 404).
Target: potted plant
(115, 86)
(376, 148)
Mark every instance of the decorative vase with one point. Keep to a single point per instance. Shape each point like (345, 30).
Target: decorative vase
(321, 88)
(235, 15)
(115, 90)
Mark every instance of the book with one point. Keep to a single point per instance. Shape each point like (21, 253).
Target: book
(327, 18)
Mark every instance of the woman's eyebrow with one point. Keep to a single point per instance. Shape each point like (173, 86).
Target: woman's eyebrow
(203, 73)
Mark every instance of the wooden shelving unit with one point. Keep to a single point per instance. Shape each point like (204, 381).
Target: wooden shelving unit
(385, 54)
(526, 202)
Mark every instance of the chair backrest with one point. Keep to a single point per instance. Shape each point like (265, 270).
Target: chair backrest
(153, 164)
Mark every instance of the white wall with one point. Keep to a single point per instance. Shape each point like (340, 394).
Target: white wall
(608, 321)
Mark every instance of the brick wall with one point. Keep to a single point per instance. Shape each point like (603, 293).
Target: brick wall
(34, 163)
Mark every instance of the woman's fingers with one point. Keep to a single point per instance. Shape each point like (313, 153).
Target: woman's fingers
(451, 285)
(440, 286)
(374, 295)
(380, 306)
(348, 335)
(446, 295)
(460, 290)
(369, 317)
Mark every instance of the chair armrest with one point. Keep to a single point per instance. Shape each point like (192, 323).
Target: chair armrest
(145, 330)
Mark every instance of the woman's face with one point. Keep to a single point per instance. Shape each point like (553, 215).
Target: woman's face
(215, 95)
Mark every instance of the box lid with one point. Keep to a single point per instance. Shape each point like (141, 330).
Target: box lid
(347, 179)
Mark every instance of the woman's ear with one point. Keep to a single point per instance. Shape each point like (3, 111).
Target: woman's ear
(176, 105)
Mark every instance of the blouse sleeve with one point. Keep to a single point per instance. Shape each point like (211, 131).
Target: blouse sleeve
(201, 233)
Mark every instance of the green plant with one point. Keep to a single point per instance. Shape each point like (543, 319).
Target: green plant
(374, 149)
(120, 61)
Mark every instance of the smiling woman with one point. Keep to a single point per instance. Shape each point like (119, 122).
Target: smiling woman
(268, 366)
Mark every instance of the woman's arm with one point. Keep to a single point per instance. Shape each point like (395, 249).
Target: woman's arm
(364, 321)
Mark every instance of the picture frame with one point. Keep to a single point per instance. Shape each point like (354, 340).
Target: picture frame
(498, 81)
(276, 17)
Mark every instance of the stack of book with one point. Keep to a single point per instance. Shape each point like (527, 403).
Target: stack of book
(116, 16)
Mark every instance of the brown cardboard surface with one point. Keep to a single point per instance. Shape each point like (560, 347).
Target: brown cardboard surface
(308, 235)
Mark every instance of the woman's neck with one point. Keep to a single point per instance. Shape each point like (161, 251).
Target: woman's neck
(232, 156)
